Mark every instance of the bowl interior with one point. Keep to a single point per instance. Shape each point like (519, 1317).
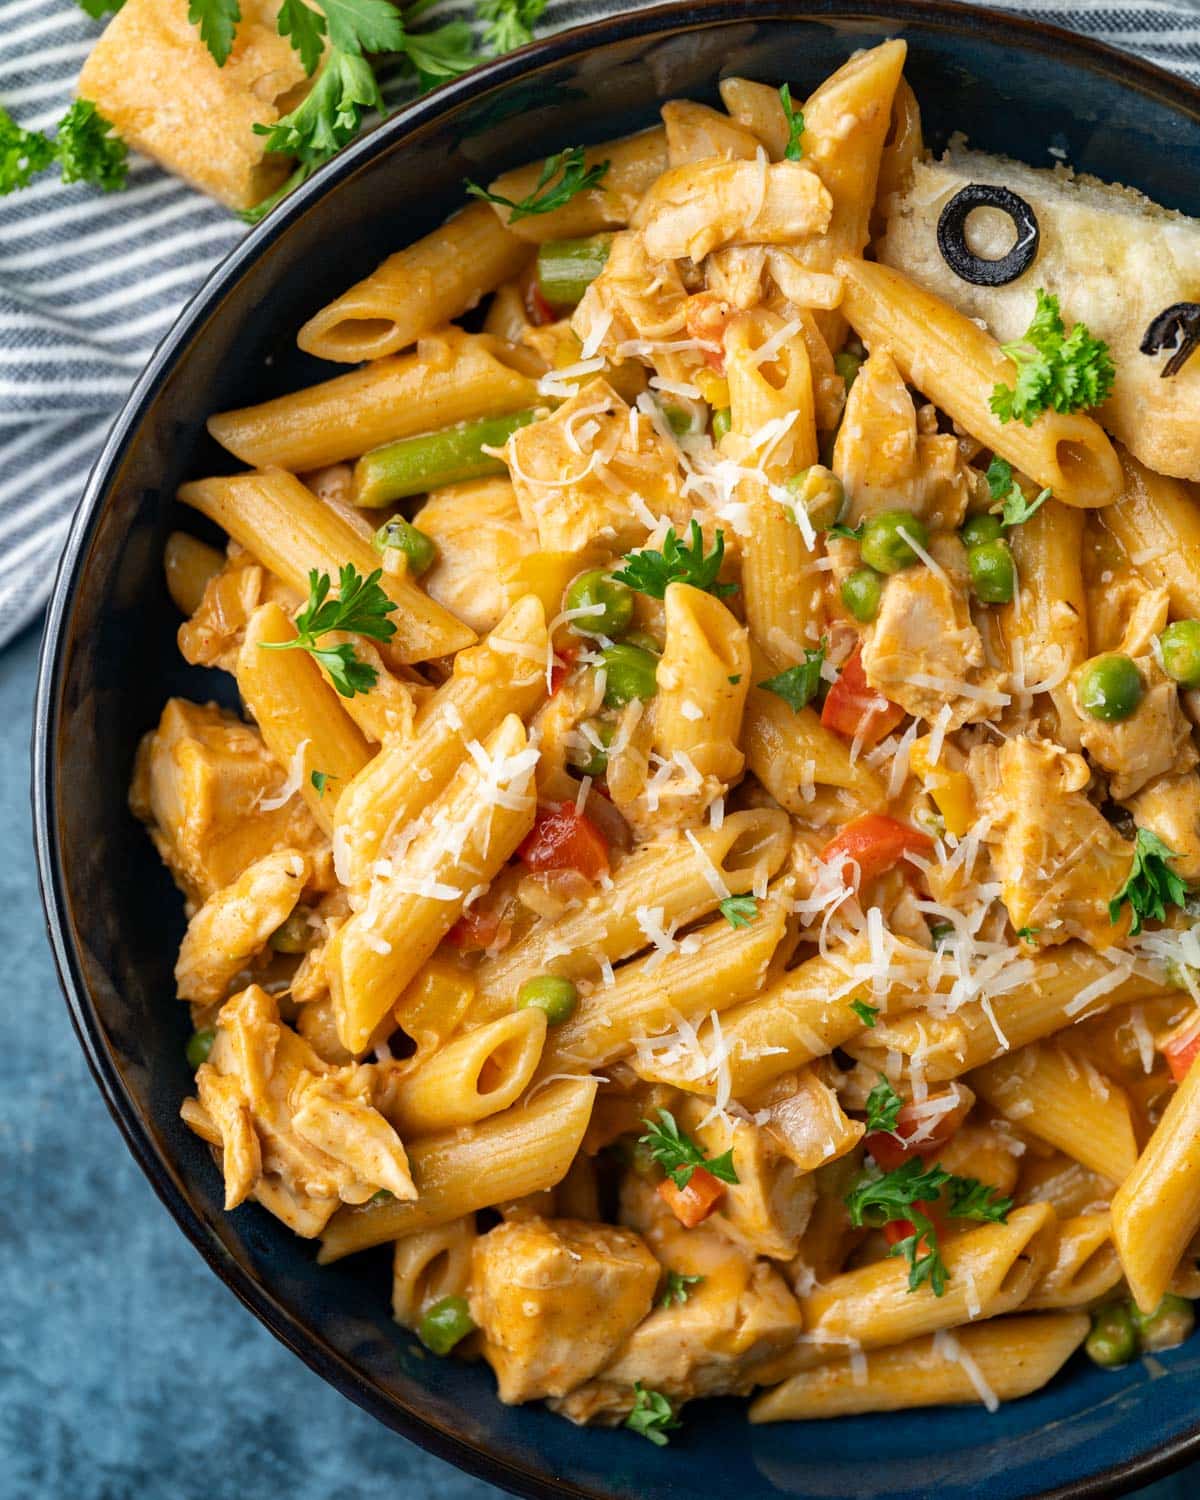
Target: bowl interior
(110, 661)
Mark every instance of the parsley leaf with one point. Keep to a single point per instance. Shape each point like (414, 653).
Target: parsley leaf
(678, 1155)
(87, 150)
(867, 1014)
(739, 911)
(923, 1254)
(1055, 370)
(1151, 884)
(1015, 508)
(358, 26)
(851, 533)
(218, 22)
(883, 1107)
(305, 30)
(971, 1199)
(329, 115)
(651, 572)
(1027, 934)
(361, 607)
(23, 154)
(548, 195)
(799, 685)
(442, 53)
(98, 9)
(793, 151)
(677, 1288)
(653, 1415)
(320, 780)
(510, 22)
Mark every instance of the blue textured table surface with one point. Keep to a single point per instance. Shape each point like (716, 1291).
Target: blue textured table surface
(128, 1370)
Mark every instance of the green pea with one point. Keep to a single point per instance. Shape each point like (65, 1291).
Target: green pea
(445, 1324)
(861, 593)
(848, 365)
(420, 549)
(679, 419)
(644, 641)
(382, 1196)
(1113, 1339)
(981, 528)
(200, 1044)
(1180, 644)
(1109, 687)
(1169, 1324)
(883, 547)
(557, 997)
(630, 672)
(591, 758)
(611, 599)
(819, 491)
(722, 421)
(296, 935)
(993, 576)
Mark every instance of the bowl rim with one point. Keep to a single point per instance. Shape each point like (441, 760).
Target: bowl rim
(676, 16)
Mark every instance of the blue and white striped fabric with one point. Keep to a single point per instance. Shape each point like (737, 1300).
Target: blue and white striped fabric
(89, 283)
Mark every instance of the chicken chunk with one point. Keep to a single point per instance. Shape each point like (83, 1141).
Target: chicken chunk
(696, 208)
(233, 926)
(1170, 807)
(924, 653)
(199, 782)
(555, 1299)
(1153, 741)
(480, 539)
(213, 636)
(634, 297)
(1058, 860)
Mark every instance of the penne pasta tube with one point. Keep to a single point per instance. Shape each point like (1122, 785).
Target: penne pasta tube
(633, 165)
(293, 533)
(661, 886)
(437, 278)
(703, 677)
(1065, 1103)
(430, 1265)
(451, 377)
(1156, 1210)
(189, 565)
(1000, 1360)
(792, 753)
(1085, 1266)
(298, 714)
(651, 996)
(757, 107)
(471, 831)
(991, 1269)
(958, 365)
(527, 1148)
(505, 673)
(1157, 521)
(470, 1077)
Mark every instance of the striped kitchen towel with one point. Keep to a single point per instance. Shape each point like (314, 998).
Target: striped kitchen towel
(89, 283)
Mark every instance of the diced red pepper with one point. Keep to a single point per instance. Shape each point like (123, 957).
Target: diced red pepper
(539, 310)
(706, 317)
(874, 843)
(853, 708)
(900, 1229)
(564, 665)
(563, 839)
(476, 930)
(889, 1148)
(1182, 1046)
(691, 1205)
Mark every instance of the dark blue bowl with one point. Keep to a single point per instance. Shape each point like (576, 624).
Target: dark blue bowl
(109, 660)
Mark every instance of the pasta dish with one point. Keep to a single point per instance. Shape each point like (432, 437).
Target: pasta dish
(701, 866)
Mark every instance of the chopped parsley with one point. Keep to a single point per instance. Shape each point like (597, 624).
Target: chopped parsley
(652, 573)
(361, 607)
(509, 22)
(735, 679)
(867, 1014)
(1027, 934)
(739, 911)
(1056, 370)
(799, 685)
(547, 195)
(1014, 508)
(883, 1107)
(320, 780)
(794, 150)
(1151, 885)
(679, 1156)
(941, 932)
(851, 533)
(83, 148)
(653, 1415)
(677, 1288)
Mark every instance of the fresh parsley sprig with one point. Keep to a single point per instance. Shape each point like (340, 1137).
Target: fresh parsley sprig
(1055, 369)
(677, 1288)
(547, 195)
(652, 1416)
(510, 23)
(652, 573)
(679, 1156)
(83, 147)
(867, 1014)
(1151, 885)
(98, 9)
(739, 911)
(361, 608)
(799, 685)
(1015, 509)
(794, 150)
(883, 1107)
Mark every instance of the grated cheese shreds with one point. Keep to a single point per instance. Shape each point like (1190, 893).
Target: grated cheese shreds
(712, 875)
(1116, 976)
(293, 781)
(945, 1344)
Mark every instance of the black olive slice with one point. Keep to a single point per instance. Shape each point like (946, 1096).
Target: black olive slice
(952, 241)
(1177, 327)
